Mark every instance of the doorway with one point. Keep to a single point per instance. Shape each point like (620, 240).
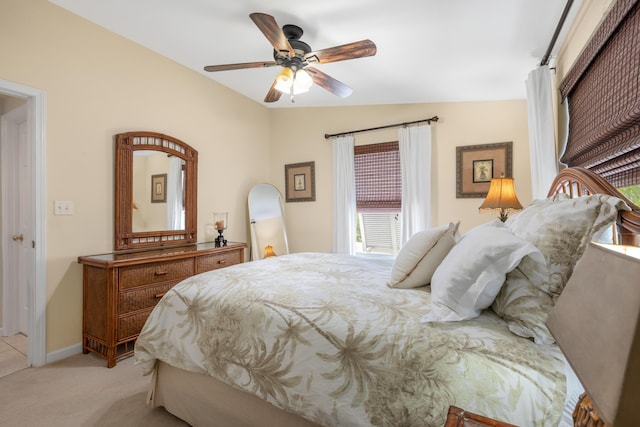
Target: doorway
(16, 232)
(23, 216)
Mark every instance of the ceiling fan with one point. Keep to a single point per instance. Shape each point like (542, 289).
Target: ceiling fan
(295, 56)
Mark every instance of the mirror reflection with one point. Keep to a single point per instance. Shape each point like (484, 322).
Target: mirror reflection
(158, 191)
(266, 220)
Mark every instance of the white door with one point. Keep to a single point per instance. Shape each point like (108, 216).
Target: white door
(16, 209)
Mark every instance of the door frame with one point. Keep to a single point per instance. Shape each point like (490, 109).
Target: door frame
(37, 293)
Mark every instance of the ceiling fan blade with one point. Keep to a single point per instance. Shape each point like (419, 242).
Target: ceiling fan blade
(271, 30)
(240, 66)
(353, 50)
(273, 95)
(327, 82)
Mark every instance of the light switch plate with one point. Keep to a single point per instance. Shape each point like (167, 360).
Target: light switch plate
(63, 207)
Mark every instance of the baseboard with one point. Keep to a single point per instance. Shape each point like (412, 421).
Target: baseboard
(63, 353)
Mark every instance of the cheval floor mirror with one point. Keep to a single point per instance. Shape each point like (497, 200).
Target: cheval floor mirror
(266, 221)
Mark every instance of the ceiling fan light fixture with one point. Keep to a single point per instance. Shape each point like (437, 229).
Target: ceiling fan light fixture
(301, 81)
(284, 80)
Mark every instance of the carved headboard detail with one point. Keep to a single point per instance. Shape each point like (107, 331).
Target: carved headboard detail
(578, 182)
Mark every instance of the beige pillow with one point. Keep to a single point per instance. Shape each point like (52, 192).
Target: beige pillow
(561, 228)
(421, 255)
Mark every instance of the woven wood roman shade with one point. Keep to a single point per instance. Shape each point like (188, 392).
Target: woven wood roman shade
(603, 91)
(378, 178)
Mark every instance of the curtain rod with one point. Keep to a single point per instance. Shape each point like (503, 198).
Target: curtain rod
(547, 54)
(432, 119)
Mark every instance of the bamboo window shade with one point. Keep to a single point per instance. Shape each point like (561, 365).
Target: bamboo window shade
(603, 92)
(378, 178)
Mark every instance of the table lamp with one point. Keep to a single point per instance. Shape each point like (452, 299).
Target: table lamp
(269, 252)
(596, 323)
(501, 197)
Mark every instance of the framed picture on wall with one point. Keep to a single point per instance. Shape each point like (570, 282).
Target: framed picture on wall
(300, 182)
(159, 188)
(476, 165)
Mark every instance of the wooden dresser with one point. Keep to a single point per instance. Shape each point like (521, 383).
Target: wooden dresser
(120, 290)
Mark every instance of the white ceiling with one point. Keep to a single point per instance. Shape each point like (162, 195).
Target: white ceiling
(428, 50)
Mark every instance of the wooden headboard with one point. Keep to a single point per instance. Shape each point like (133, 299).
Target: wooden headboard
(578, 182)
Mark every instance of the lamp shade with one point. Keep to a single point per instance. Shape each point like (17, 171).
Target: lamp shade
(596, 324)
(501, 195)
(269, 252)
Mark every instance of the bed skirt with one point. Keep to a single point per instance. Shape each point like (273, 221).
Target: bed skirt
(201, 400)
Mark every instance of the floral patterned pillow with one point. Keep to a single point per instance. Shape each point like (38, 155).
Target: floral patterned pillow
(523, 303)
(560, 228)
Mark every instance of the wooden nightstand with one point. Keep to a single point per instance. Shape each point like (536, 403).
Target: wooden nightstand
(460, 418)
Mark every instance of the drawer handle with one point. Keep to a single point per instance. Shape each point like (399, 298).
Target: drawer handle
(160, 273)
(160, 295)
(222, 261)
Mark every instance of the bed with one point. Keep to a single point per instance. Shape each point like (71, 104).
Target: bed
(325, 339)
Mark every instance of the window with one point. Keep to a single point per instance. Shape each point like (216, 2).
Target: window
(378, 233)
(632, 193)
(378, 197)
(603, 94)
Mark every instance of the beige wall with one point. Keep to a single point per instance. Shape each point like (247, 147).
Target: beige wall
(98, 84)
(298, 136)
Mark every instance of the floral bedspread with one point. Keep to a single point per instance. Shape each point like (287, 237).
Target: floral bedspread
(323, 336)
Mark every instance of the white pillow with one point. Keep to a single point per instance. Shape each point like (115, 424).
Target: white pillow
(421, 255)
(471, 275)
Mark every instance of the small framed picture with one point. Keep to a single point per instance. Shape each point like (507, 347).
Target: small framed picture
(482, 170)
(476, 165)
(300, 182)
(159, 188)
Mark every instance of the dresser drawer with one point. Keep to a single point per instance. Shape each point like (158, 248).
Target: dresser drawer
(139, 298)
(215, 261)
(155, 272)
(130, 325)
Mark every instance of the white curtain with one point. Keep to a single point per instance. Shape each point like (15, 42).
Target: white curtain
(415, 165)
(542, 144)
(175, 213)
(344, 196)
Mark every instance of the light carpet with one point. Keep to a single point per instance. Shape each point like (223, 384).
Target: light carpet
(80, 391)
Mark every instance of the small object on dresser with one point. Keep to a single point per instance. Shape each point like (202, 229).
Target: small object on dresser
(220, 219)
(458, 417)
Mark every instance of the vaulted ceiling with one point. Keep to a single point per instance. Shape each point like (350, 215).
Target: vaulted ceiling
(427, 50)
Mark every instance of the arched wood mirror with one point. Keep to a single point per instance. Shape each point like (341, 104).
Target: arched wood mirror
(155, 191)
(266, 220)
